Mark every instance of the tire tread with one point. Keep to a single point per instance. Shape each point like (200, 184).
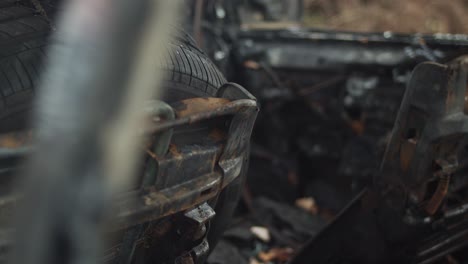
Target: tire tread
(23, 40)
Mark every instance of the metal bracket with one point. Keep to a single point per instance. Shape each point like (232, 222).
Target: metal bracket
(197, 255)
(231, 161)
(158, 110)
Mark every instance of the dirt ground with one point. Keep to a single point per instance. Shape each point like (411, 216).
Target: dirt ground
(405, 16)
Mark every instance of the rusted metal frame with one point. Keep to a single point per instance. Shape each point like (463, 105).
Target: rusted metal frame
(235, 154)
(227, 109)
(231, 161)
(244, 109)
(148, 204)
(151, 204)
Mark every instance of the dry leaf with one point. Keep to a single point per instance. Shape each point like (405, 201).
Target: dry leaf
(250, 64)
(276, 254)
(254, 261)
(308, 204)
(261, 233)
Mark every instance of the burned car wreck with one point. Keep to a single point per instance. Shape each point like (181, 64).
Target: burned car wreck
(371, 125)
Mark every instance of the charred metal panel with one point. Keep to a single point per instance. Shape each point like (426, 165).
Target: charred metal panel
(303, 49)
(407, 216)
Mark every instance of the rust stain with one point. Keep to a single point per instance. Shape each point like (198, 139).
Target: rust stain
(407, 151)
(160, 229)
(217, 135)
(151, 153)
(293, 178)
(255, 25)
(357, 126)
(15, 140)
(276, 254)
(439, 195)
(250, 64)
(174, 151)
(197, 105)
(364, 40)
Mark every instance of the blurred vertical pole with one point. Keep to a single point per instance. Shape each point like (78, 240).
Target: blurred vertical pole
(102, 66)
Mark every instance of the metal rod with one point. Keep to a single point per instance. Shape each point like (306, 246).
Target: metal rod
(86, 111)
